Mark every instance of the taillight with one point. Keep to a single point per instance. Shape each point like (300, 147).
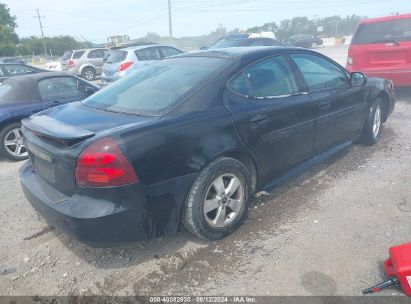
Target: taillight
(103, 164)
(71, 63)
(124, 66)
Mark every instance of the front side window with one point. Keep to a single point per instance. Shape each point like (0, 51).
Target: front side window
(148, 54)
(319, 73)
(59, 88)
(269, 78)
(157, 87)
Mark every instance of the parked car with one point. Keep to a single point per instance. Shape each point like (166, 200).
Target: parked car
(242, 40)
(86, 63)
(124, 61)
(190, 138)
(17, 60)
(22, 96)
(305, 41)
(382, 47)
(13, 69)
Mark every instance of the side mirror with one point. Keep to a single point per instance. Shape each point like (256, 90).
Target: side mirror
(358, 79)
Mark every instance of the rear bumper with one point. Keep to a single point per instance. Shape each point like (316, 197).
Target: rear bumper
(105, 217)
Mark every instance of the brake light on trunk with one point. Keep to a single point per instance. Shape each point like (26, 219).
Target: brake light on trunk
(71, 63)
(124, 66)
(103, 164)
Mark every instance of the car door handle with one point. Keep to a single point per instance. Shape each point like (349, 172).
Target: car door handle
(258, 119)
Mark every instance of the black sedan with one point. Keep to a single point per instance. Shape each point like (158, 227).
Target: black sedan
(189, 139)
(305, 41)
(13, 69)
(22, 96)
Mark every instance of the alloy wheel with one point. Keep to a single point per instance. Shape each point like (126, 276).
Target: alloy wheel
(224, 200)
(377, 121)
(13, 143)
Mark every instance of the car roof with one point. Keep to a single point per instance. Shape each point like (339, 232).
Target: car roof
(139, 47)
(232, 53)
(387, 18)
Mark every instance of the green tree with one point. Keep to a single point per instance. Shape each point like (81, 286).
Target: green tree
(8, 37)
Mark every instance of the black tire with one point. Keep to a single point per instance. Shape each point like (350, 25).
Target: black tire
(194, 218)
(3, 134)
(88, 74)
(369, 136)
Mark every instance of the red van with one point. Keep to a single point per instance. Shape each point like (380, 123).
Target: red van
(382, 47)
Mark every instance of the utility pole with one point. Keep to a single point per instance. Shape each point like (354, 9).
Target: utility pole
(170, 25)
(42, 34)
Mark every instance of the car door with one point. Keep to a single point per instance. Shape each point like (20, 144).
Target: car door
(275, 120)
(339, 107)
(59, 90)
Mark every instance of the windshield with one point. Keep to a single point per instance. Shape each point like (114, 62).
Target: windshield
(155, 88)
(117, 56)
(393, 30)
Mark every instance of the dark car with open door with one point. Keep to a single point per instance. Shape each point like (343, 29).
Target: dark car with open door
(22, 96)
(189, 139)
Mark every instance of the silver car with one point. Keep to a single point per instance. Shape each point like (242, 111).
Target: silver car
(86, 63)
(124, 61)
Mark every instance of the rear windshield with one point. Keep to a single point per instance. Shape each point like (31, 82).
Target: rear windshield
(117, 56)
(380, 32)
(156, 88)
(66, 55)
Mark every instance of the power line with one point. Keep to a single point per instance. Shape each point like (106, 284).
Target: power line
(42, 34)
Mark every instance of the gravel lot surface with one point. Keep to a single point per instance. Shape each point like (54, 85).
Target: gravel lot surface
(325, 232)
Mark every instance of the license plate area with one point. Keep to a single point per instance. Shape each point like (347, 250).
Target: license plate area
(42, 163)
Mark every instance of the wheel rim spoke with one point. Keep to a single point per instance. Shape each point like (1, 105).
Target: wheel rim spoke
(220, 217)
(10, 143)
(235, 205)
(219, 186)
(13, 143)
(211, 204)
(232, 187)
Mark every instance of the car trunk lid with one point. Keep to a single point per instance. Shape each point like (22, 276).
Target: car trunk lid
(54, 139)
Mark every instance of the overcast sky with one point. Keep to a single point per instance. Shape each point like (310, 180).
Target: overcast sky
(97, 19)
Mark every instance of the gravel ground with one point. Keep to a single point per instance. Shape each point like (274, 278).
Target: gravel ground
(325, 232)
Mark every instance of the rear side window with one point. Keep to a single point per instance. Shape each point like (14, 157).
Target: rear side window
(148, 54)
(59, 88)
(78, 54)
(268, 78)
(169, 51)
(380, 32)
(96, 54)
(319, 73)
(117, 56)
